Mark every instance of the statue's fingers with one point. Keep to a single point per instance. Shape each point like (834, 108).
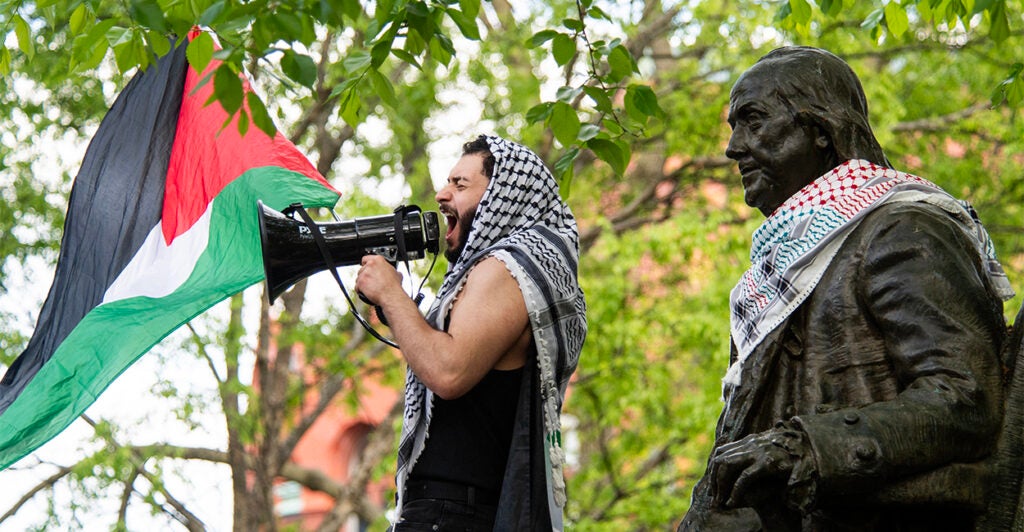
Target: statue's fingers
(744, 482)
(724, 470)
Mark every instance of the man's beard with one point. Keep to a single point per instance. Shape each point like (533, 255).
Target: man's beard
(465, 223)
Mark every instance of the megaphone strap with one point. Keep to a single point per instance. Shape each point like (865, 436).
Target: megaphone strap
(321, 244)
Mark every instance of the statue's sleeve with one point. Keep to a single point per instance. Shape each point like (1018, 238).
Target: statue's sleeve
(922, 286)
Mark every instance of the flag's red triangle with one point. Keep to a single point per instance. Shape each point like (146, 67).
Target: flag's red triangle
(206, 156)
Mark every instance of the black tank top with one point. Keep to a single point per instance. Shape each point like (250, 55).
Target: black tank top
(470, 436)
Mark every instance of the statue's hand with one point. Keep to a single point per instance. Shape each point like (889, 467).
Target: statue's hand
(750, 471)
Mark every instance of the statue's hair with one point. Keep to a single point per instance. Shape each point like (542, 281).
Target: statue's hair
(822, 90)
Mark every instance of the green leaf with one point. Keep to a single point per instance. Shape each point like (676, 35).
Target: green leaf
(357, 61)
(539, 112)
(344, 86)
(470, 7)
(349, 107)
(300, 67)
(801, 11)
(78, 18)
(212, 13)
(419, 20)
(1011, 89)
(200, 51)
(117, 36)
(441, 49)
(564, 123)
(407, 57)
(259, 113)
(588, 131)
(149, 14)
(379, 53)
(24, 36)
(621, 63)
(466, 24)
(999, 28)
(381, 85)
(91, 48)
(783, 12)
(602, 100)
(243, 122)
(158, 42)
(831, 7)
(612, 126)
(130, 52)
(598, 13)
(289, 24)
(611, 153)
(925, 10)
(641, 102)
(873, 19)
(896, 19)
(567, 94)
(352, 8)
(563, 167)
(541, 37)
(227, 88)
(5, 61)
(573, 24)
(563, 48)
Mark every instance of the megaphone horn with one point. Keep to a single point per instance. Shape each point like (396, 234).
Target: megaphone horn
(290, 252)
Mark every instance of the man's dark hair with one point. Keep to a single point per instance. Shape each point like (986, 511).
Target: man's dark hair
(480, 146)
(821, 89)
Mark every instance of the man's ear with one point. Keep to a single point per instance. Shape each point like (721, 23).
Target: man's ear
(822, 140)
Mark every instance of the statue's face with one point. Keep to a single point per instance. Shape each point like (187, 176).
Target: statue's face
(777, 155)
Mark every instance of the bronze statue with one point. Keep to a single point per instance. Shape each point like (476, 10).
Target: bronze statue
(865, 390)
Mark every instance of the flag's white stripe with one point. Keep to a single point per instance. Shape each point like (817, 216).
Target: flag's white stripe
(158, 269)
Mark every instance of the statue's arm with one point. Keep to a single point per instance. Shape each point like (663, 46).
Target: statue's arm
(923, 290)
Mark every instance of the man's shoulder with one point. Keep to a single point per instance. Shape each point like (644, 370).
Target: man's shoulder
(901, 218)
(908, 209)
(905, 231)
(491, 275)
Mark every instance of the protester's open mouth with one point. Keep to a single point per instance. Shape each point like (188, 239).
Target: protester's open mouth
(451, 221)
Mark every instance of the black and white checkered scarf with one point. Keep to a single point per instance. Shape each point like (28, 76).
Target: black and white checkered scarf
(522, 221)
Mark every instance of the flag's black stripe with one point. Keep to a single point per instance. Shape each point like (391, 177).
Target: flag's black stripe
(116, 200)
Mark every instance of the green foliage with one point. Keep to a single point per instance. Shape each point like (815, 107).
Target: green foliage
(648, 385)
(635, 132)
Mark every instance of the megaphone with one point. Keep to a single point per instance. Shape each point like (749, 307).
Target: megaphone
(291, 252)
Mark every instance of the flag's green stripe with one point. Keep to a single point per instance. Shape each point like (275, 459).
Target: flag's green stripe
(113, 336)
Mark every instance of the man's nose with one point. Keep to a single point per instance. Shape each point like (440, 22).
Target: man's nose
(737, 146)
(443, 195)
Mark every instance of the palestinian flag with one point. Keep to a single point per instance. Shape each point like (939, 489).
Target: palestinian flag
(161, 225)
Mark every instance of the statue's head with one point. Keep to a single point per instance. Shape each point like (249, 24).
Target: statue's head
(796, 114)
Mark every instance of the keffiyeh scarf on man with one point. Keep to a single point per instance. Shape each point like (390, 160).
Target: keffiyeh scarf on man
(794, 246)
(522, 221)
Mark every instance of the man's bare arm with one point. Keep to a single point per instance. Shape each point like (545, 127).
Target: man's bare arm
(486, 325)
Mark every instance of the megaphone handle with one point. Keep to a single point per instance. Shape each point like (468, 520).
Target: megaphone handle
(376, 308)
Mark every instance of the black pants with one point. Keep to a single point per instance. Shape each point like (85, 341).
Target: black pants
(423, 515)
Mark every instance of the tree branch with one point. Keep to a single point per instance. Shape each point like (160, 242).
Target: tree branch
(48, 483)
(379, 444)
(940, 123)
(637, 212)
(183, 515)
